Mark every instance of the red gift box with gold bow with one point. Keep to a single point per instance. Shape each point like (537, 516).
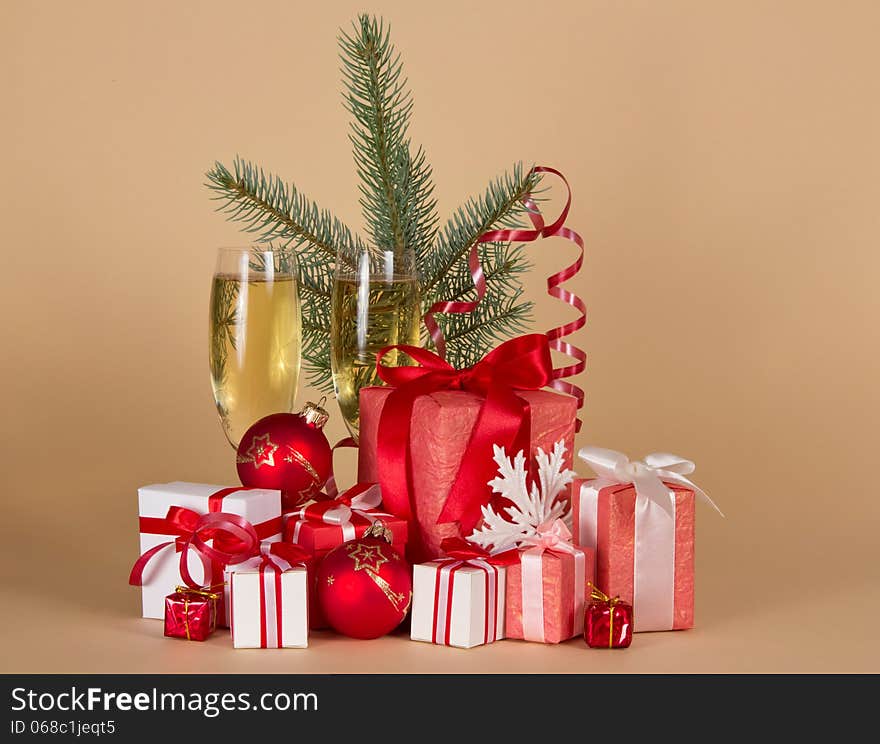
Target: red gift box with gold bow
(427, 438)
(191, 613)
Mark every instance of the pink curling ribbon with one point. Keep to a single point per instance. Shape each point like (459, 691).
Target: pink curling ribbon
(331, 487)
(555, 289)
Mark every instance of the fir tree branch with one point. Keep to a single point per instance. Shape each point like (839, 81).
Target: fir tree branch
(316, 353)
(471, 335)
(501, 205)
(502, 264)
(395, 187)
(274, 210)
(399, 210)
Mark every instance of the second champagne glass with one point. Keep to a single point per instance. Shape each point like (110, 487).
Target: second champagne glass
(375, 304)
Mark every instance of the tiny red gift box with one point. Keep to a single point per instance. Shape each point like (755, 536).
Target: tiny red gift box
(191, 613)
(608, 622)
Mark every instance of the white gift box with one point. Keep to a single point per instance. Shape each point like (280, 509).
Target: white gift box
(260, 507)
(458, 603)
(270, 607)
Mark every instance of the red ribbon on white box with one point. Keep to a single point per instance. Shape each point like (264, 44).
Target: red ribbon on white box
(361, 499)
(443, 585)
(271, 565)
(461, 554)
(654, 540)
(553, 536)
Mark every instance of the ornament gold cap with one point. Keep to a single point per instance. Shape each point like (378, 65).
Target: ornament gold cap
(378, 529)
(315, 414)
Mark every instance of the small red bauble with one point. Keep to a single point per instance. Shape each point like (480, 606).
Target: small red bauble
(365, 586)
(287, 451)
(608, 622)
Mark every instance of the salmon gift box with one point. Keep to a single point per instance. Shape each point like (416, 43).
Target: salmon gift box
(428, 437)
(547, 587)
(639, 518)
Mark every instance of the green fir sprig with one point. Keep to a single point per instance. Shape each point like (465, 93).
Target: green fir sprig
(399, 210)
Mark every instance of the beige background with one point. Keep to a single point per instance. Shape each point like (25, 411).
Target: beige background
(725, 163)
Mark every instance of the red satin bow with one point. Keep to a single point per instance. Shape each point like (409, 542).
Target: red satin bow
(234, 540)
(293, 554)
(290, 552)
(459, 549)
(523, 363)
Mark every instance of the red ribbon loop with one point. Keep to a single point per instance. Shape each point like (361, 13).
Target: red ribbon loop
(290, 552)
(234, 540)
(461, 549)
(523, 363)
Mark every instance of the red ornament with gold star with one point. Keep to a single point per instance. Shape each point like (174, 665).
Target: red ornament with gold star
(365, 585)
(287, 451)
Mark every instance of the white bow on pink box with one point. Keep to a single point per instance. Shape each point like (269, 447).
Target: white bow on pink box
(654, 541)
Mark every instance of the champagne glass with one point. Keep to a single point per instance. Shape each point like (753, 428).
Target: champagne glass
(375, 303)
(255, 336)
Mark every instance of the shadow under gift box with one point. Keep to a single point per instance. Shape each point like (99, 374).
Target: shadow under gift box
(442, 423)
(604, 517)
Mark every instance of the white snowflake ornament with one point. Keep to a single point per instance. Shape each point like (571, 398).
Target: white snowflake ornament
(531, 507)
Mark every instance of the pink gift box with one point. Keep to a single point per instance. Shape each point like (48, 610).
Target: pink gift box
(441, 426)
(562, 598)
(604, 516)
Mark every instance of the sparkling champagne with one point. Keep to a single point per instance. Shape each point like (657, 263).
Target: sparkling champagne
(365, 317)
(255, 349)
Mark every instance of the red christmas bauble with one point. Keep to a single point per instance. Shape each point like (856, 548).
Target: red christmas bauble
(287, 451)
(365, 586)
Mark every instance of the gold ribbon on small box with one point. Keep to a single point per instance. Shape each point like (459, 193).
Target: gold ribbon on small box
(597, 595)
(189, 594)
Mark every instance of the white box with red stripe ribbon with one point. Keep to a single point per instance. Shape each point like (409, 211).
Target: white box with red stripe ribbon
(270, 607)
(168, 515)
(458, 603)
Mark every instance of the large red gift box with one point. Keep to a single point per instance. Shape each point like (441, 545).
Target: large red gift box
(441, 426)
